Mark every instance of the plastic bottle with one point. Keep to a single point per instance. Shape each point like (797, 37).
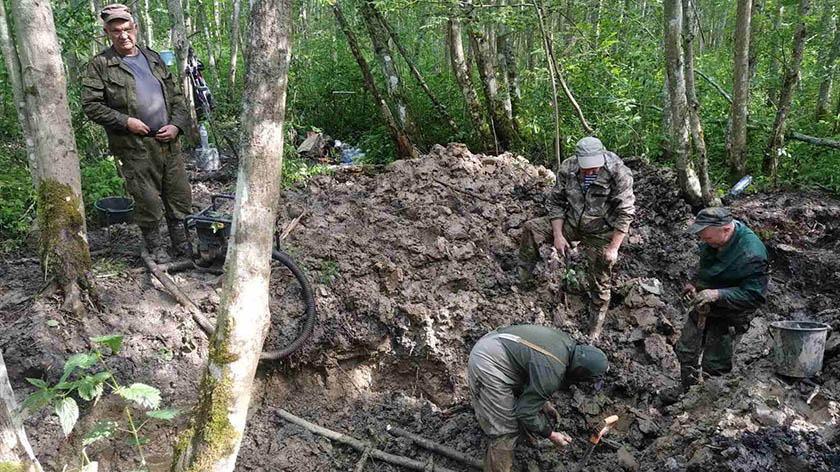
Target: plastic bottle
(202, 131)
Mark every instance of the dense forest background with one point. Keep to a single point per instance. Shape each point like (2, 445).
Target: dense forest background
(611, 54)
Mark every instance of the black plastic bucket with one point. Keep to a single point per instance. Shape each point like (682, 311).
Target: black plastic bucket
(112, 210)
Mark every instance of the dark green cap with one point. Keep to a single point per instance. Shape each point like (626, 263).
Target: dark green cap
(713, 216)
(588, 363)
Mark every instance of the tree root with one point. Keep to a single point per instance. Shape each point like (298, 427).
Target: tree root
(361, 445)
(435, 447)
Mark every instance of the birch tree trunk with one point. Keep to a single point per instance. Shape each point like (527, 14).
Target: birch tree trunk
(699, 139)
(148, 30)
(464, 79)
(738, 151)
(672, 12)
(218, 420)
(15, 451)
(402, 141)
(828, 63)
(8, 48)
(181, 44)
(217, 18)
(502, 126)
(393, 83)
(205, 27)
(62, 235)
(770, 164)
(773, 72)
(234, 49)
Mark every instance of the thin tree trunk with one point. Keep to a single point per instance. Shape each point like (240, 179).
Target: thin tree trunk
(464, 79)
(8, 47)
(15, 451)
(558, 141)
(182, 46)
(775, 63)
(702, 160)
(393, 83)
(202, 17)
(756, 10)
(770, 164)
(148, 26)
(672, 12)
(740, 92)
(405, 149)
(217, 424)
(234, 49)
(217, 18)
(502, 74)
(828, 63)
(512, 71)
(62, 235)
(502, 126)
(417, 75)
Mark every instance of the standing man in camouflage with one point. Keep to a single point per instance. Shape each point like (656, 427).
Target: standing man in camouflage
(129, 91)
(592, 202)
(731, 283)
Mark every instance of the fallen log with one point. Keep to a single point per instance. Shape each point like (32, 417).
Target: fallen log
(361, 445)
(435, 447)
(176, 293)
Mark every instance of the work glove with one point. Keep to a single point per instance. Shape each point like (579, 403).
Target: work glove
(705, 298)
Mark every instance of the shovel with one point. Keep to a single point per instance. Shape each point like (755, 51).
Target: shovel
(609, 422)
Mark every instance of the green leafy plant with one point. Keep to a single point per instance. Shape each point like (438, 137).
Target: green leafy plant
(329, 272)
(87, 376)
(573, 279)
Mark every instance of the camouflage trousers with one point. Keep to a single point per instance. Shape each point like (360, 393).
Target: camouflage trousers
(158, 183)
(538, 231)
(717, 348)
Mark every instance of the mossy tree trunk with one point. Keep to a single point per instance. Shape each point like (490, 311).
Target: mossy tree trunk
(738, 151)
(463, 75)
(63, 246)
(15, 451)
(218, 420)
(697, 135)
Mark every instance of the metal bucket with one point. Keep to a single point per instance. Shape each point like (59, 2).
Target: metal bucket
(798, 347)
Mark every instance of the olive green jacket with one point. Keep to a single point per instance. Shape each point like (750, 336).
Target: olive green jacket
(544, 375)
(738, 271)
(607, 205)
(109, 98)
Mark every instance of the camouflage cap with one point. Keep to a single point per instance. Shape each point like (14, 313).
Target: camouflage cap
(590, 153)
(115, 11)
(713, 216)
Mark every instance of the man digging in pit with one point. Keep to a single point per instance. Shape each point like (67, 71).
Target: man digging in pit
(730, 284)
(512, 374)
(130, 92)
(592, 202)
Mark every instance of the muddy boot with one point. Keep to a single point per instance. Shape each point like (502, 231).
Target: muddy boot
(500, 453)
(596, 320)
(154, 245)
(688, 376)
(178, 238)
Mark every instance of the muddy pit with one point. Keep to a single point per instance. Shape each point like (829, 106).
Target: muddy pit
(411, 265)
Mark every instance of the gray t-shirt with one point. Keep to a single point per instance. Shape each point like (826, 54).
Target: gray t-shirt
(151, 107)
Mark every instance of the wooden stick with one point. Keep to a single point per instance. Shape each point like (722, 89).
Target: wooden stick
(435, 447)
(179, 296)
(360, 466)
(361, 445)
(467, 192)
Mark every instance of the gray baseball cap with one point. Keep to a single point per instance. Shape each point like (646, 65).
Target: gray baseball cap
(590, 153)
(115, 11)
(713, 216)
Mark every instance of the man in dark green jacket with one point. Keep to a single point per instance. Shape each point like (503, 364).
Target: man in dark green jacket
(513, 372)
(730, 284)
(130, 92)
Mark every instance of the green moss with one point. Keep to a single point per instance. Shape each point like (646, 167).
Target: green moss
(209, 422)
(220, 352)
(12, 467)
(61, 225)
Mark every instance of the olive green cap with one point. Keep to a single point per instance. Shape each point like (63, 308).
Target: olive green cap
(713, 216)
(588, 363)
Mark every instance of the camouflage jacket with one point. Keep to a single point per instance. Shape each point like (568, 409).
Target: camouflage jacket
(109, 98)
(607, 205)
(739, 272)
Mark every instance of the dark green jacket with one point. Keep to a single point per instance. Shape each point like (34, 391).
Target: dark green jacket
(738, 271)
(109, 98)
(544, 375)
(607, 205)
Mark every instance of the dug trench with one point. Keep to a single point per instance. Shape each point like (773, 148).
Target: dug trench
(411, 265)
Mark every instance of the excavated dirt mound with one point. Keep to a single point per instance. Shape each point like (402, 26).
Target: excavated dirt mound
(413, 264)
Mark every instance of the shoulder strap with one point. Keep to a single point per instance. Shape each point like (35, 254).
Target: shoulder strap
(519, 340)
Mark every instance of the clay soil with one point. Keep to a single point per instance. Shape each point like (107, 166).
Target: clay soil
(411, 265)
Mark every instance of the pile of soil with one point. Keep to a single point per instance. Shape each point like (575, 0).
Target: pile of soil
(411, 265)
